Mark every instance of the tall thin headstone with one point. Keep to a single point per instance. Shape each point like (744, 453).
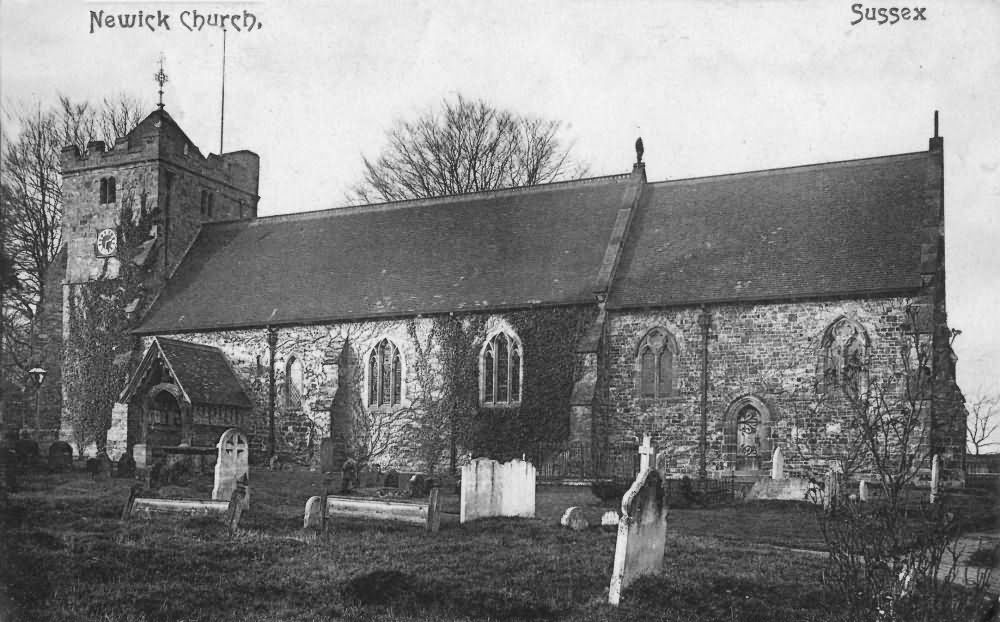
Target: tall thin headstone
(777, 464)
(935, 477)
(642, 529)
(863, 491)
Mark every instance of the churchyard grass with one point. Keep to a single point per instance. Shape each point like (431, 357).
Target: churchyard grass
(67, 556)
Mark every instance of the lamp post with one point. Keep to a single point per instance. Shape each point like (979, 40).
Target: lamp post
(37, 377)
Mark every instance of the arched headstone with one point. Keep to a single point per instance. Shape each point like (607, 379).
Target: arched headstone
(60, 456)
(777, 464)
(230, 464)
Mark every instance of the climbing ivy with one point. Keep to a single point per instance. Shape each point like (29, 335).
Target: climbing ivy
(101, 350)
(549, 338)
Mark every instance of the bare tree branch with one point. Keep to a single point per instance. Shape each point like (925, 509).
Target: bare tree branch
(466, 146)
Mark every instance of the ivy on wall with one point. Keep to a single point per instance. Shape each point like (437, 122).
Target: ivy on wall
(101, 351)
(549, 338)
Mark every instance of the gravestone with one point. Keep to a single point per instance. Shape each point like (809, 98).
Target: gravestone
(27, 453)
(60, 456)
(231, 463)
(574, 519)
(609, 520)
(327, 456)
(831, 490)
(492, 489)
(314, 513)
(935, 477)
(348, 475)
(391, 479)
(863, 491)
(777, 464)
(642, 533)
(125, 466)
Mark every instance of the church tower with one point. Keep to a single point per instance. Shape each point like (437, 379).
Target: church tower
(131, 211)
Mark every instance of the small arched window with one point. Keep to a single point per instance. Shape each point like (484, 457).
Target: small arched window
(111, 190)
(501, 370)
(843, 357)
(293, 383)
(655, 359)
(385, 375)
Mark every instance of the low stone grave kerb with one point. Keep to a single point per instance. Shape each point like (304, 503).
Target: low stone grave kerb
(426, 513)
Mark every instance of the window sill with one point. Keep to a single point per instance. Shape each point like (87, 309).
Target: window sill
(500, 406)
(672, 399)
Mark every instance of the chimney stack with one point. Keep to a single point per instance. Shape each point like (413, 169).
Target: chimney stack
(937, 142)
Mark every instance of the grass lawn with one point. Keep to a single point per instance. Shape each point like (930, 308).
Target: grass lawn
(65, 555)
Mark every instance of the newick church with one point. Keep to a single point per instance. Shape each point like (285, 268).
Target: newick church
(725, 315)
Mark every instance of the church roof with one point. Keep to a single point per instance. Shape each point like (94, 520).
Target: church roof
(507, 249)
(827, 230)
(835, 229)
(202, 373)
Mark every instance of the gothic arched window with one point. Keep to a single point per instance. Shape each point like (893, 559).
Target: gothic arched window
(843, 357)
(385, 375)
(747, 434)
(293, 383)
(655, 358)
(501, 370)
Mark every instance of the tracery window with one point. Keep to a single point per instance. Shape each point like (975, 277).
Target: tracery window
(747, 434)
(385, 375)
(655, 358)
(501, 370)
(843, 357)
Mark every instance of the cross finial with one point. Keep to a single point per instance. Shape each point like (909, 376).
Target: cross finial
(646, 452)
(161, 78)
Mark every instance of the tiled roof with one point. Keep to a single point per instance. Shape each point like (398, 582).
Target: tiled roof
(202, 372)
(825, 230)
(513, 248)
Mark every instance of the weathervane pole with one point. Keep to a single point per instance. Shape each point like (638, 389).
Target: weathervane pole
(222, 110)
(161, 79)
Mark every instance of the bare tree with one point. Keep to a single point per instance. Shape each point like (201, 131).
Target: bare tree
(31, 198)
(983, 422)
(466, 146)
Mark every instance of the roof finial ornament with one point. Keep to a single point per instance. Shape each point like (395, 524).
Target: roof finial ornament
(638, 150)
(161, 78)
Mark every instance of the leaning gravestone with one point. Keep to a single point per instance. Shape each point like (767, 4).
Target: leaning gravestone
(231, 463)
(574, 519)
(60, 456)
(313, 518)
(642, 533)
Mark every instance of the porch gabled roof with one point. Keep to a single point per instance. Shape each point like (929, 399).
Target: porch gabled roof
(202, 373)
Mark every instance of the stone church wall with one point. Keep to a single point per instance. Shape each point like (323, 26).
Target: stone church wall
(768, 351)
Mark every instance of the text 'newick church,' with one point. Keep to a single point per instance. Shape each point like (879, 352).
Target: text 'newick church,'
(725, 315)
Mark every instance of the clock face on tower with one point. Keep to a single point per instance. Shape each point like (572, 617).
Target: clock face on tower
(107, 243)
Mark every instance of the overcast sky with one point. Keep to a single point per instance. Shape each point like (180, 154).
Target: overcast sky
(712, 87)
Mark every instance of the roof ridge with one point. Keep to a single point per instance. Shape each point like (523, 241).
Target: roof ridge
(443, 199)
(780, 169)
(190, 344)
